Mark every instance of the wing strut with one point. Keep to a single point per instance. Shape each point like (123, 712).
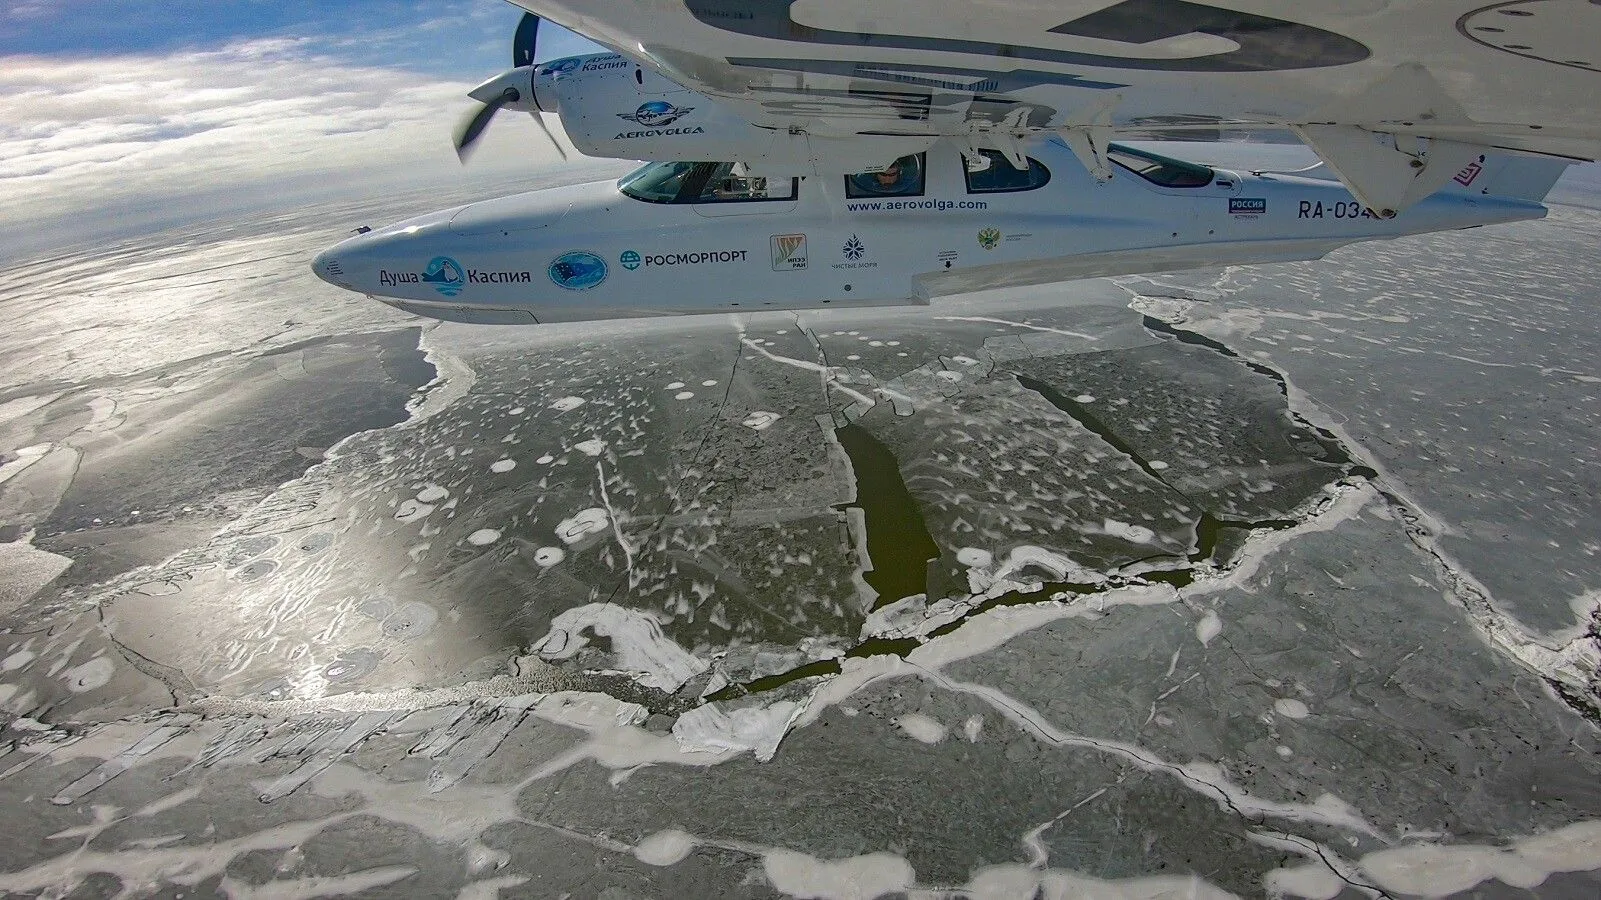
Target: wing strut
(1090, 135)
(1089, 145)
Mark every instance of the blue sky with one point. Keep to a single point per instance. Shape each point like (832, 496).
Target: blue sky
(442, 36)
(116, 111)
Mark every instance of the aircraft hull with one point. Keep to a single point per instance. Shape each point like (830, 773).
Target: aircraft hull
(590, 252)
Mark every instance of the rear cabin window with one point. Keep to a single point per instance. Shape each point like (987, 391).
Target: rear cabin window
(901, 178)
(992, 173)
(1160, 170)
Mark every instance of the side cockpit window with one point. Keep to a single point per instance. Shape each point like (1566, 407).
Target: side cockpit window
(703, 182)
(901, 178)
(992, 173)
(658, 182)
(1160, 170)
(733, 182)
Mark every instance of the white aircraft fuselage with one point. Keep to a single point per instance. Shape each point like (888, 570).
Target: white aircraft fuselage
(594, 251)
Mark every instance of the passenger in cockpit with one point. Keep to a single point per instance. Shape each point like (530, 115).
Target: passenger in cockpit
(902, 177)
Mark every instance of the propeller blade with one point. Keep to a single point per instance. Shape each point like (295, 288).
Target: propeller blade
(540, 121)
(473, 127)
(525, 41)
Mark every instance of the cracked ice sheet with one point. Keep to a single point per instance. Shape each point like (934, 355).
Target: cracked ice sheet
(1387, 708)
(484, 828)
(866, 834)
(383, 569)
(1461, 363)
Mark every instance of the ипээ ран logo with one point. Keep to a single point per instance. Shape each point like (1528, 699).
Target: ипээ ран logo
(789, 252)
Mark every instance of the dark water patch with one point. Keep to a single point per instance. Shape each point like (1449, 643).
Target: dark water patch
(883, 647)
(405, 362)
(1046, 591)
(773, 682)
(1218, 540)
(898, 542)
(903, 647)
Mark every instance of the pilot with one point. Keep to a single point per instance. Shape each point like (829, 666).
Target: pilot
(899, 177)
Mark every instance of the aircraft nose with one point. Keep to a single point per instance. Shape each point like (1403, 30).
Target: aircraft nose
(319, 265)
(326, 267)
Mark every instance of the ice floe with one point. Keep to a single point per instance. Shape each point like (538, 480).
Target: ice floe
(760, 420)
(921, 728)
(582, 524)
(638, 646)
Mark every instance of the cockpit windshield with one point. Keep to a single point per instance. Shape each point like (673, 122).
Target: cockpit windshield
(1160, 170)
(703, 182)
(657, 182)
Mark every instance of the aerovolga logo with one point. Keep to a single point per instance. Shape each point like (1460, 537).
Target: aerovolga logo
(657, 114)
(989, 238)
(1247, 206)
(789, 252)
(577, 270)
(630, 260)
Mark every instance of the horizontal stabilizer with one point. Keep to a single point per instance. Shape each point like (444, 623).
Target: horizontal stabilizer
(1519, 177)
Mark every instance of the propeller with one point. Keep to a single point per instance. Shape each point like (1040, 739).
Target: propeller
(525, 40)
(505, 90)
(472, 127)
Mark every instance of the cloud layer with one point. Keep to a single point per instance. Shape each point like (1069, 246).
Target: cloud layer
(88, 134)
(104, 144)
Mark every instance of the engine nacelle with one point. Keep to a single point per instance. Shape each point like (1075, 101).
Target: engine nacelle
(614, 108)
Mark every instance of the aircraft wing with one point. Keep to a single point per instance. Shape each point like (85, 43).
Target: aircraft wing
(1396, 96)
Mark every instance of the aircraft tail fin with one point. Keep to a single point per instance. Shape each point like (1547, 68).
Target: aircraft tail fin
(1519, 177)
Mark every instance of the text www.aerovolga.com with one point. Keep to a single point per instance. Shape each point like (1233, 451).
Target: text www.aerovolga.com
(920, 205)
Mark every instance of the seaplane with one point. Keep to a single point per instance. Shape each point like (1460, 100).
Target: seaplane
(810, 154)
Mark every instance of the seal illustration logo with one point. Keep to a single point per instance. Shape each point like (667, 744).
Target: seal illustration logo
(445, 274)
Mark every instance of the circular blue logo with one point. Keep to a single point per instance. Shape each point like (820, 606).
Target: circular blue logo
(629, 259)
(445, 274)
(577, 270)
(560, 66)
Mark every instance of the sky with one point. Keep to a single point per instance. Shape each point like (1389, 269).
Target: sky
(118, 115)
(123, 116)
